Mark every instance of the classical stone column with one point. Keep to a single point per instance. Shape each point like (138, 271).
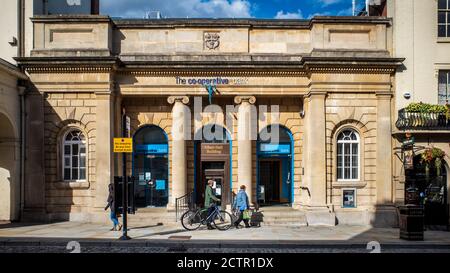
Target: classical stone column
(384, 149)
(385, 214)
(104, 166)
(180, 133)
(315, 160)
(34, 199)
(246, 133)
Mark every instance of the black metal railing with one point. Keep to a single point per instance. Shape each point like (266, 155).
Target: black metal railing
(183, 204)
(233, 198)
(422, 121)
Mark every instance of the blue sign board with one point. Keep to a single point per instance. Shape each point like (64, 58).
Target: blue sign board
(152, 148)
(160, 184)
(269, 148)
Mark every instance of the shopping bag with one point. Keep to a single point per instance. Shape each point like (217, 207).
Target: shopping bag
(246, 214)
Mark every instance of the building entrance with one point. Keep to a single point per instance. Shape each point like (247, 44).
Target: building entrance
(150, 167)
(215, 171)
(275, 162)
(212, 162)
(431, 184)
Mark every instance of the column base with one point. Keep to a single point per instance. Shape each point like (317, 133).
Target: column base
(36, 215)
(385, 216)
(320, 216)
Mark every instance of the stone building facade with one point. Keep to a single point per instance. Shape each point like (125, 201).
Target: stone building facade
(422, 36)
(330, 78)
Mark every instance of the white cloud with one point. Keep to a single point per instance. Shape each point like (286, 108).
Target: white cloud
(320, 14)
(177, 8)
(326, 3)
(346, 12)
(289, 15)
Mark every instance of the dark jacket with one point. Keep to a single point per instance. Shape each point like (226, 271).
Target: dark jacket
(209, 197)
(111, 202)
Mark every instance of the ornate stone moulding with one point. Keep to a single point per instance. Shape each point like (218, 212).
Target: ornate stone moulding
(172, 73)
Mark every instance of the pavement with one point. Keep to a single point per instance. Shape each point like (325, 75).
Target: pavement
(264, 236)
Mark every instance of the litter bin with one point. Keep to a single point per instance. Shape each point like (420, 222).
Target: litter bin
(411, 222)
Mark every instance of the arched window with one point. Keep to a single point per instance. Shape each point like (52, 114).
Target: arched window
(348, 155)
(74, 156)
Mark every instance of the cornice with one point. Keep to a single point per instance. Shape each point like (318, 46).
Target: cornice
(302, 67)
(216, 73)
(69, 64)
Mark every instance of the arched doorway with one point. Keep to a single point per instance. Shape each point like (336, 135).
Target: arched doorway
(9, 195)
(212, 161)
(431, 183)
(150, 167)
(275, 166)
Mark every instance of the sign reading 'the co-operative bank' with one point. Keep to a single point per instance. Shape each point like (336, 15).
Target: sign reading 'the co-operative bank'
(210, 81)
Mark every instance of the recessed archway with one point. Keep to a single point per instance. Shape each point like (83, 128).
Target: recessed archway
(212, 161)
(151, 167)
(275, 172)
(431, 182)
(9, 194)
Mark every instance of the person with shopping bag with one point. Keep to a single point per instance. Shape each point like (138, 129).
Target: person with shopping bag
(242, 205)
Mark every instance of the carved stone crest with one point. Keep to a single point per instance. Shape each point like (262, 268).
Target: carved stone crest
(211, 40)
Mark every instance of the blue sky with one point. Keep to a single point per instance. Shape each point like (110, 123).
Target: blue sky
(280, 9)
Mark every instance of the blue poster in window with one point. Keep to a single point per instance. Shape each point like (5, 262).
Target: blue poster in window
(160, 185)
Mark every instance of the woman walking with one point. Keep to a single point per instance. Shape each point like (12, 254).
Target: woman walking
(242, 205)
(111, 206)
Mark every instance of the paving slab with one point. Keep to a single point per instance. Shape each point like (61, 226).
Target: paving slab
(174, 235)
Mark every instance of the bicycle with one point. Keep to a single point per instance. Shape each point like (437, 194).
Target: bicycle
(193, 219)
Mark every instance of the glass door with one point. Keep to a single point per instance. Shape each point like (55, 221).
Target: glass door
(151, 189)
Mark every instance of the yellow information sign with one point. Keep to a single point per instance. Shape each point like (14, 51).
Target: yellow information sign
(123, 145)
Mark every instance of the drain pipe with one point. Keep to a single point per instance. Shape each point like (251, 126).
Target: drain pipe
(22, 92)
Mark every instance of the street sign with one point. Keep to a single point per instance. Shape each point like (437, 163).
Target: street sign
(408, 142)
(123, 145)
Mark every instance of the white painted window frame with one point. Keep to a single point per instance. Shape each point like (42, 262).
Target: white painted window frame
(358, 153)
(447, 20)
(447, 84)
(81, 143)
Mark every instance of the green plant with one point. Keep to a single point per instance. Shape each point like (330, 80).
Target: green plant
(427, 108)
(430, 155)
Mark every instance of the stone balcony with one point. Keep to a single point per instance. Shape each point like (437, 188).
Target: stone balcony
(408, 120)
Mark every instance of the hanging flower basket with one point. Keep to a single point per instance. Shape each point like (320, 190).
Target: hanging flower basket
(435, 155)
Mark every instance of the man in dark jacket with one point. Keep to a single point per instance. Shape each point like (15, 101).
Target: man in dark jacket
(210, 200)
(111, 205)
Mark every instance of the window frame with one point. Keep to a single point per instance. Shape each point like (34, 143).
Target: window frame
(358, 153)
(446, 23)
(447, 88)
(81, 144)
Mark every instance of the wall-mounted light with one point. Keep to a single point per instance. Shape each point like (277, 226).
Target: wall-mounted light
(302, 113)
(13, 41)
(407, 95)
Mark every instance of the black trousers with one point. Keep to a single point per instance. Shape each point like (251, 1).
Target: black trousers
(209, 217)
(241, 218)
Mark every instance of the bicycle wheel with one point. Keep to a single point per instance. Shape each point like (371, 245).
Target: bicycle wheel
(223, 220)
(191, 220)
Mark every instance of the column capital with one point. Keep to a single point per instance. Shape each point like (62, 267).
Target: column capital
(241, 99)
(383, 94)
(182, 99)
(315, 93)
(103, 94)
